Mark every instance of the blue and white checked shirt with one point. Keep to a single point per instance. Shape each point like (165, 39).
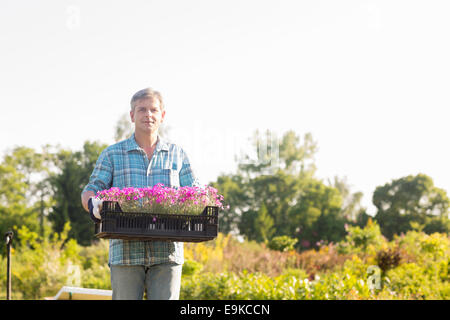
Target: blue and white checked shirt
(125, 165)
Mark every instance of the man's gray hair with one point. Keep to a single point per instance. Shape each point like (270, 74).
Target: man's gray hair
(147, 93)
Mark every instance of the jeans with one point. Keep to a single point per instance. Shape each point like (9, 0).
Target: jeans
(162, 282)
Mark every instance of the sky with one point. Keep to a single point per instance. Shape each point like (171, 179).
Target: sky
(368, 79)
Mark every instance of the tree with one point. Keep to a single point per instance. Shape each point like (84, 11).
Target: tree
(21, 173)
(257, 225)
(272, 154)
(278, 192)
(13, 187)
(298, 158)
(123, 129)
(271, 178)
(232, 188)
(277, 188)
(411, 199)
(351, 202)
(263, 225)
(74, 170)
(316, 215)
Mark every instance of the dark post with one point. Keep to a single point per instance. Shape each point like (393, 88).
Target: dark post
(8, 237)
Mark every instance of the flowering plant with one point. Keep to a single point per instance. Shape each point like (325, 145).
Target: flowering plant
(165, 200)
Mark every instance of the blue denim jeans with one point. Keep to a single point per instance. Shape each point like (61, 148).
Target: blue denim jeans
(161, 281)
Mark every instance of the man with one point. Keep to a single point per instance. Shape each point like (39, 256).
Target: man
(143, 160)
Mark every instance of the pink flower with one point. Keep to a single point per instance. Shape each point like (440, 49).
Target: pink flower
(163, 199)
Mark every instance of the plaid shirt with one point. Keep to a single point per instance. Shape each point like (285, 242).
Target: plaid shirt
(125, 165)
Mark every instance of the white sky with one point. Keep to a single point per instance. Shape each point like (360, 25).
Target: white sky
(369, 79)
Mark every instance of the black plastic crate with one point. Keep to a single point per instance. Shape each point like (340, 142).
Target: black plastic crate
(116, 224)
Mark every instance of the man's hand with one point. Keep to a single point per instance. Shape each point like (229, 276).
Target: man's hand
(95, 205)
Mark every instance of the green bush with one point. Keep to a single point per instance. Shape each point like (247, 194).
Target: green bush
(365, 239)
(41, 267)
(191, 267)
(245, 286)
(412, 266)
(282, 243)
(407, 281)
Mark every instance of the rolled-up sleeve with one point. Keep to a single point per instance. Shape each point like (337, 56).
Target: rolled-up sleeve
(101, 177)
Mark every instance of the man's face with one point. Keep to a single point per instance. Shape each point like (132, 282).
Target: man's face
(147, 115)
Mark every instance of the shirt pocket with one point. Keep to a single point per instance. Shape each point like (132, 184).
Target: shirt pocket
(168, 177)
(174, 178)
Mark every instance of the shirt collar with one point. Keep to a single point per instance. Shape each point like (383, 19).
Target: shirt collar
(161, 145)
